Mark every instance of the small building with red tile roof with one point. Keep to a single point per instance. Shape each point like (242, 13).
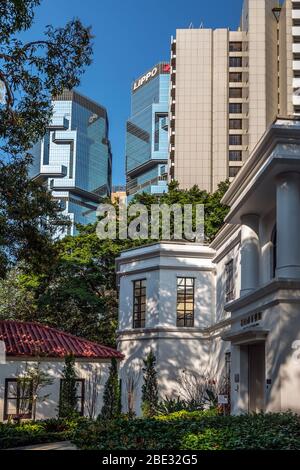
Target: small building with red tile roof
(27, 344)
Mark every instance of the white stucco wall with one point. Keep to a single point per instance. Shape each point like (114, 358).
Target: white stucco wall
(48, 408)
(176, 348)
(175, 352)
(161, 274)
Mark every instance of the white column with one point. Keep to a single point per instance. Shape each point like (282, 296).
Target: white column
(288, 225)
(250, 251)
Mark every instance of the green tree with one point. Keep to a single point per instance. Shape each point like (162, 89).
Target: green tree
(72, 288)
(17, 296)
(81, 276)
(214, 210)
(31, 73)
(28, 219)
(149, 388)
(67, 400)
(111, 397)
(50, 298)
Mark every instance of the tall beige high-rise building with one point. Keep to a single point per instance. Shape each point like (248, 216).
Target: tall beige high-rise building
(227, 87)
(289, 58)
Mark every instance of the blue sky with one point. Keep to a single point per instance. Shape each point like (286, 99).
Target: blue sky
(130, 37)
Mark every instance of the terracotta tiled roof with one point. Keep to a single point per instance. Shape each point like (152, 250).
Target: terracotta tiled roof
(34, 339)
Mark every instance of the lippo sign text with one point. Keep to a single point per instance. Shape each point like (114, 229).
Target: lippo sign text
(162, 68)
(157, 222)
(145, 78)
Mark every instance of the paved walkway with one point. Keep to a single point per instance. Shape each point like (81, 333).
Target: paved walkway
(63, 445)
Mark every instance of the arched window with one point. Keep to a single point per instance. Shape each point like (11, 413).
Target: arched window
(274, 252)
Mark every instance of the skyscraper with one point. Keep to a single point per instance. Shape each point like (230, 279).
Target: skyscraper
(147, 132)
(289, 58)
(227, 87)
(74, 158)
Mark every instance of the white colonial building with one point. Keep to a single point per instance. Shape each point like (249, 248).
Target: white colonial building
(237, 301)
(29, 349)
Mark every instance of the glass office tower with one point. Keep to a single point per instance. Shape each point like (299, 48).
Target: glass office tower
(74, 159)
(147, 133)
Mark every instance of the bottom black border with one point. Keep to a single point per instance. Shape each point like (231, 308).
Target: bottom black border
(139, 459)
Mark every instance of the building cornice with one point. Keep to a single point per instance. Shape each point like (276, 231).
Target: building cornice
(224, 234)
(274, 286)
(159, 267)
(159, 250)
(146, 333)
(245, 336)
(225, 242)
(277, 133)
(163, 332)
(228, 248)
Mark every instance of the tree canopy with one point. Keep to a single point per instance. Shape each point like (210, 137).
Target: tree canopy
(77, 290)
(31, 73)
(214, 210)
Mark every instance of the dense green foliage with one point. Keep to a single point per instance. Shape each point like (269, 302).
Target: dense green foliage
(17, 296)
(27, 433)
(81, 277)
(193, 431)
(111, 396)
(189, 415)
(28, 219)
(149, 387)
(201, 430)
(67, 399)
(76, 281)
(31, 73)
(214, 211)
(170, 405)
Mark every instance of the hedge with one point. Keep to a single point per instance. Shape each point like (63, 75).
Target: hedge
(192, 431)
(27, 433)
(178, 431)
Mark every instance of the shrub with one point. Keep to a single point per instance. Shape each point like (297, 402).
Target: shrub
(171, 405)
(26, 433)
(111, 397)
(150, 387)
(188, 415)
(68, 400)
(193, 431)
(209, 439)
